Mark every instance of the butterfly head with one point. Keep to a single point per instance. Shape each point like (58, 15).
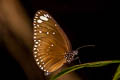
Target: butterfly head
(70, 56)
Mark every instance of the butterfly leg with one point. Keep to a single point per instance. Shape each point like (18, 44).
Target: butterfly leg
(78, 59)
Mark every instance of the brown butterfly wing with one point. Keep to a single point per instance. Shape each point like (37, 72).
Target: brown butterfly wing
(50, 42)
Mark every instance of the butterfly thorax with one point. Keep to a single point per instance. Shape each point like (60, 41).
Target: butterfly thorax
(70, 56)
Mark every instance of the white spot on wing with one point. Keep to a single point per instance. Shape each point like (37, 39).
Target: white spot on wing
(34, 49)
(41, 60)
(55, 24)
(35, 45)
(47, 32)
(40, 31)
(42, 68)
(53, 33)
(34, 21)
(36, 42)
(36, 17)
(35, 33)
(39, 40)
(39, 44)
(46, 15)
(34, 37)
(38, 12)
(44, 18)
(35, 52)
(38, 62)
(39, 21)
(37, 25)
(37, 59)
(35, 30)
(52, 45)
(37, 49)
(35, 55)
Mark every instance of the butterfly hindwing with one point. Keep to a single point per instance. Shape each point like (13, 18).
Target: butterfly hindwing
(50, 42)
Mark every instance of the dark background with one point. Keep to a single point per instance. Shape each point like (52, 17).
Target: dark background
(81, 20)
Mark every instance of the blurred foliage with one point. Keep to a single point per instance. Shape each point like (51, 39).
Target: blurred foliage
(16, 36)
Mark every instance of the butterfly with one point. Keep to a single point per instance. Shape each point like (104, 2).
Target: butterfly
(52, 48)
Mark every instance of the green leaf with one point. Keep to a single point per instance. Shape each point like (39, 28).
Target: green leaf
(92, 64)
(117, 74)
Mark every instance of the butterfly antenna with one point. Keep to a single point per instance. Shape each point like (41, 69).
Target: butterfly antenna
(78, 58)
(80, 48)
(85, 46)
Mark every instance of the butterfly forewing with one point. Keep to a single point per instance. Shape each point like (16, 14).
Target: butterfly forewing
(50, 42)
